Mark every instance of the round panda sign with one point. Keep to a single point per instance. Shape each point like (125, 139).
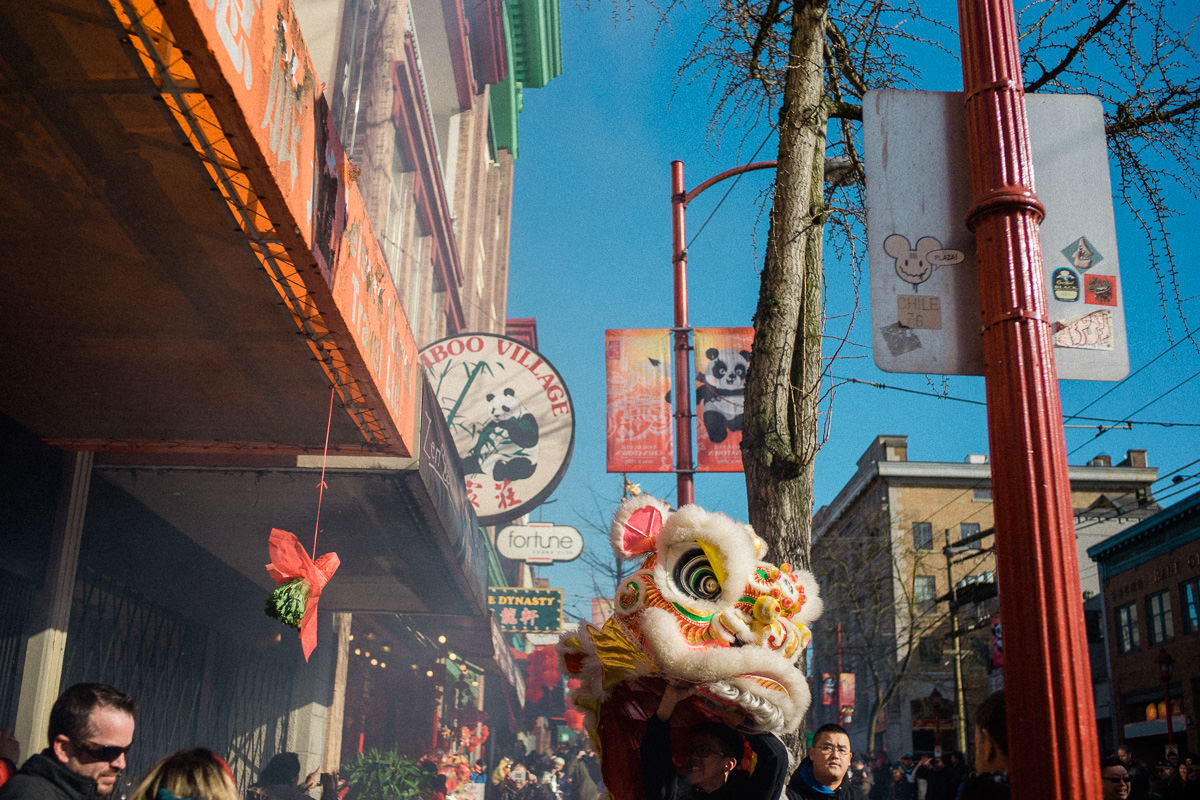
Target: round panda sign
(511, 418)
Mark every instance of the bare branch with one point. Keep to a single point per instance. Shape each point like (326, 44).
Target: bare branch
(1159, 116)
(1074, 51)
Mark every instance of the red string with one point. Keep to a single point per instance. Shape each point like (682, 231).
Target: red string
(322, 486)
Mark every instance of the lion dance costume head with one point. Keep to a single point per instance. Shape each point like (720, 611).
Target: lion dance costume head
(703, 609)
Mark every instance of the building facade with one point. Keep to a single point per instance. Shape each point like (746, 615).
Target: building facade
(240, 222)
(1150, 574)
(904, 543)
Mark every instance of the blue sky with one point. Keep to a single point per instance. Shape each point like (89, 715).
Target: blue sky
(591, 249)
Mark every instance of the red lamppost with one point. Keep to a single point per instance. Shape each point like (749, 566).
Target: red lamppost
(1048, 695)
(1166, 666)
(935, 700)
(680, 197)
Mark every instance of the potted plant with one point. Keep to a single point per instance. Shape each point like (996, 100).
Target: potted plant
(377, 775)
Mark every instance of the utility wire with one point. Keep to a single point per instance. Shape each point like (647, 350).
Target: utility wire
(1187, 337)
(1100, 420)
(1179, 385)
(713, 213)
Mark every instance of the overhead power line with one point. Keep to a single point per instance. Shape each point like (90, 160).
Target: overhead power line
(1098, 420)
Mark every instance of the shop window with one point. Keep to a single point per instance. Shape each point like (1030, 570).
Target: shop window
(1158, 617)
(1127, 628)
(922, 533)
(1189, 594)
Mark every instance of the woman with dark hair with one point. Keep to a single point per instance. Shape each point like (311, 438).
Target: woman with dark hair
(991, 752)
(280, 780)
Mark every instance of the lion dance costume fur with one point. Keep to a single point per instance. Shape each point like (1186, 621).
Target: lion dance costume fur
(702, 609)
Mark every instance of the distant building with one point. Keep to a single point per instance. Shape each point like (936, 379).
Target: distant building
(1150, 573)
(880, 554)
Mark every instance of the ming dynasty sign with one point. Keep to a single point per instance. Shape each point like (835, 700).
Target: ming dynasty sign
(520, 610)
(511, 418)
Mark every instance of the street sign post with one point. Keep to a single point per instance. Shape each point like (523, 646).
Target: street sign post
(924, 285)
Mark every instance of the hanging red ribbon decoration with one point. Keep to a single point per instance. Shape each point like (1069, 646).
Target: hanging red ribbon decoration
(289, 560)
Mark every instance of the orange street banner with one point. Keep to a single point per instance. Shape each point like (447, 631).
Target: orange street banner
(638, 369)
(722, 359)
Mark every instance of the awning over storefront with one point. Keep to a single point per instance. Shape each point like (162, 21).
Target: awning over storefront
(1156, 727)
(402, 527)
(197, 295)
(192, 269)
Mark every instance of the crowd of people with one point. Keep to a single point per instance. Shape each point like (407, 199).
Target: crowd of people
(91, 729)
(1172, 778)
(89, 735)
(564, 775)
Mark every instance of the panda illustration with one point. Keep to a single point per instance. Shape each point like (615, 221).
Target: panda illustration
(722, 392)
(506, 447)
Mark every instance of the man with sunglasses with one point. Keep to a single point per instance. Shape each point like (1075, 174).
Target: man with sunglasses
(90, 731)
(1114, 779)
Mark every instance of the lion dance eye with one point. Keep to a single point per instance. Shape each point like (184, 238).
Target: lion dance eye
(695, 576)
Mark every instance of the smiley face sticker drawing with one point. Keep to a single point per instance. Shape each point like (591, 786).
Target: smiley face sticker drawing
(915, 265)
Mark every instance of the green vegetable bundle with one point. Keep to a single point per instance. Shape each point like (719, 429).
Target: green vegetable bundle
(288, 600)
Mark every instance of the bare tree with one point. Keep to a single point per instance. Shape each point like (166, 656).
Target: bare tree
(606, 569)
(810, 63)
(880, 599)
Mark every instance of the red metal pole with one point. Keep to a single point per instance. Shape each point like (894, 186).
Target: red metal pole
(1048, 692)
(1170, 731)
(680, 197)
(683, 347)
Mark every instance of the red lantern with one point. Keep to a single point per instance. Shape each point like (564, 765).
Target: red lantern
(574, 718)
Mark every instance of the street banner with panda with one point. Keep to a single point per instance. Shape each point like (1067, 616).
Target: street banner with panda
(638, 377)
(511, 418)
(722, 359)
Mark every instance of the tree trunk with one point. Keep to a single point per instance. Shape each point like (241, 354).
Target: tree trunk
(781, 432)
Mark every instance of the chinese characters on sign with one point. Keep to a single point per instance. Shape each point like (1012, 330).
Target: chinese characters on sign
(520, 610)
(511, 418)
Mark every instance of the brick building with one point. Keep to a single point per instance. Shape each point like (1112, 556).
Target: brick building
(1150, 574)
(901, 541)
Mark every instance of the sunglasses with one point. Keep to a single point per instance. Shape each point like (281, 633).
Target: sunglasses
(98, 752)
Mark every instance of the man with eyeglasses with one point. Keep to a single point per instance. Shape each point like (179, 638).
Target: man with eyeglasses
(90, 731)
(822, 774)
(1114, 779)
(714, 750)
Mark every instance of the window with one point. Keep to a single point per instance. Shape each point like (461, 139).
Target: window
(924, 592)
(982, 495)
(1189, 596)
(922, 533)
(1158, 617)
(967, 530)
(1127, 628)
(929, 650)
